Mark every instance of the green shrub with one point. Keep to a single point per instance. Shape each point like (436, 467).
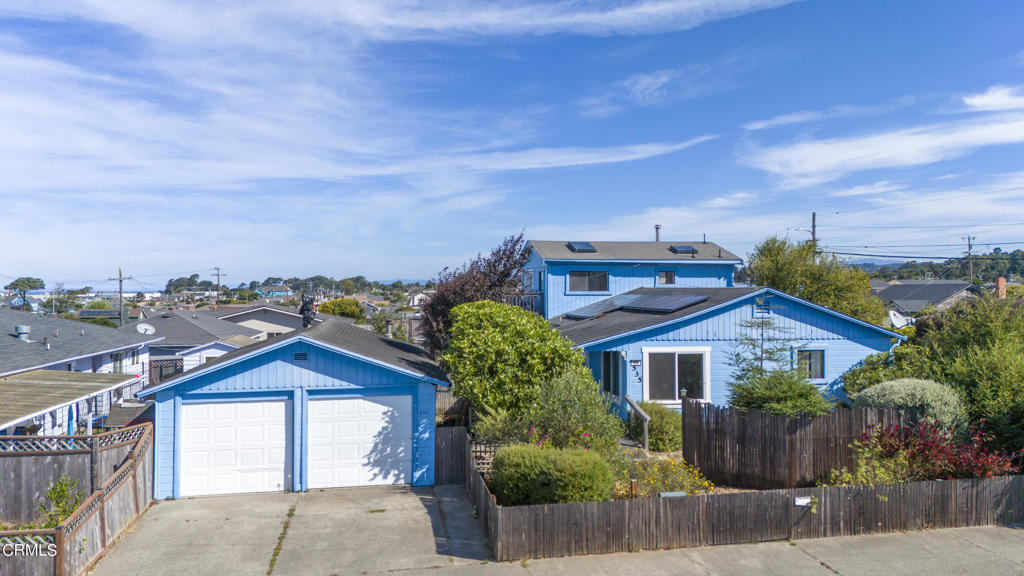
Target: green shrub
(570, 412)
(782, 392)
(347, 307)
(500, 356)
(664, 431)
(529, 474)
(655, 474)
(63, 498)
(927, 397)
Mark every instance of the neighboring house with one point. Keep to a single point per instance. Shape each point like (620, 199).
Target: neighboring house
(667, 344)
(330, 406)
(33, 342)
(16, 303)
(189, 339)
(569, 275)
(418, 300)
(53, 403)
(268, 318)
(911, 297)
(275, 292)
(131, 315)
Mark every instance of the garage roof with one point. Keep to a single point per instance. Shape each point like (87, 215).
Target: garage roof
(30, 394)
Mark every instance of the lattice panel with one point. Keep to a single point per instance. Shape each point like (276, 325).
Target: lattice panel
(121, 436)
(115, 481)
(483, 456)
(44, 443)
(79, 516)
(29, 540)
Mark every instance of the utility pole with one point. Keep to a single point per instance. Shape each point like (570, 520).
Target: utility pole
(120, 294)
(218, 274)
(970, 256)
(814, 229)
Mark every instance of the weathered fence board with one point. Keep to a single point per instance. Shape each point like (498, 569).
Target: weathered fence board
(765, 451)
(25, 477)
(40, 562)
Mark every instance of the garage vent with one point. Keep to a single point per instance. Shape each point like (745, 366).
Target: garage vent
(301, 356)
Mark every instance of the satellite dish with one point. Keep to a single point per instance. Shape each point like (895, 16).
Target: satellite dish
(144, 328)
(899, 320)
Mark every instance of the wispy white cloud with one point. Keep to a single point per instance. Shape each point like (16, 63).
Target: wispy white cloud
(841, 111)
(815, 161)
(650, 89)
(996, 98)
(879, 187)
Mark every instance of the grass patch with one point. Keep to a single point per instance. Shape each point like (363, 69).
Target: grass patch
(280, 539)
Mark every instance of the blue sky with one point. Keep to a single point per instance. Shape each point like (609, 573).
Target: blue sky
(393, 138)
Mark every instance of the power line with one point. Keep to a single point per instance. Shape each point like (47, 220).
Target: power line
(926, 227)
(919, 256)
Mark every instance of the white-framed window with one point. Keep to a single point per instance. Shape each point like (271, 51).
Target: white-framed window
(811, 363)
(611, 372)
(588, 281)
(666, 277)
(677, 373)
(135, 357)
(117, 358)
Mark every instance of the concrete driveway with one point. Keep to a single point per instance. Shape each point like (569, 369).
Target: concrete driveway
(342, 531)
(432, 531)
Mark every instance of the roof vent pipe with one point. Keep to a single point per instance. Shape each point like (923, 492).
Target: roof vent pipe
(705, 237)
(22, 331)
(657, 232)
(387, 327)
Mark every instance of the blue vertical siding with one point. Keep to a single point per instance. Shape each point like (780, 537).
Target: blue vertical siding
(623, 277)
(844, 341)
(274, 373)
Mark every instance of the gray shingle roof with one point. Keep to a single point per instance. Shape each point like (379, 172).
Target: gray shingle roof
(342, 334)
(559, 250)
(28, 393)
(67, 339)
(583, 332)
(913, 296)
(180, 328)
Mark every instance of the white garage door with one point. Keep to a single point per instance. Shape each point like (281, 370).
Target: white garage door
(360, 441)
(233, 447)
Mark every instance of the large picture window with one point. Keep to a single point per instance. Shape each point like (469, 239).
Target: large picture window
(588, 281)
(676, 375)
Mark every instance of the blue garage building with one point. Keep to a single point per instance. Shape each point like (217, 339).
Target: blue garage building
(330, 406)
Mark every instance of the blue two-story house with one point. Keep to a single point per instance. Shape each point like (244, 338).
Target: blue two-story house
(658, 321)
(570, 275)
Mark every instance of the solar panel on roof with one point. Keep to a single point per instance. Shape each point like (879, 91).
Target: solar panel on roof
(603, 307)
(682, 249)
(663, 303)
(582, 247)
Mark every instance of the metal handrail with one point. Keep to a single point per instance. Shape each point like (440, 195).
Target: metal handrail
(639, 412)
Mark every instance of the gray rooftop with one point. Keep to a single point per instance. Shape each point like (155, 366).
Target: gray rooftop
(67, 339)
(559, 250)
(341, 334)
(23, 395)
(611, 324)
(187, 328)
(913, 296)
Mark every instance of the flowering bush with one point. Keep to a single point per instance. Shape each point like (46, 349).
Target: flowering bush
(655, 474)
(924, 451)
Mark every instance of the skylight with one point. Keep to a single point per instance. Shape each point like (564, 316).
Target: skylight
(582, 247)
(682, 249)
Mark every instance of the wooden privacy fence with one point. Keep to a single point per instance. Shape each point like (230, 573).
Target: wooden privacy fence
(552, 530)
(449, 455)
(28, 464)
(70, 548)
(759, 450)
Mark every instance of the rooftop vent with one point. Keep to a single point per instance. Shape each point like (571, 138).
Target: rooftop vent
(22, 331)
(682, 249)
(581, 247)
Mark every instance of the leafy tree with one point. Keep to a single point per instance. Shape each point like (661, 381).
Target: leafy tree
(22, 285)
(493, 277)
(348, 286)
(99, 305)
(500, 356)
(273, 281)
(977, 348)
(824, 279)
(343, 307)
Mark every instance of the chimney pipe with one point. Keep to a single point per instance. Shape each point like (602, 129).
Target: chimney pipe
(387, 327)
(22, 331)
(1001, 288)
(657, 232)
